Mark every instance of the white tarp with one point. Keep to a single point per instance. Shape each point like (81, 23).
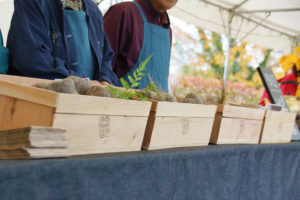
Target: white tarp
(210, 17)
(6, 10)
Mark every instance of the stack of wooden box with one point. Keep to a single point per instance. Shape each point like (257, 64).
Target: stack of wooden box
(33, 142)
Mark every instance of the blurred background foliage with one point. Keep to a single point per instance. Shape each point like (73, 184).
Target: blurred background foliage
(203, 66)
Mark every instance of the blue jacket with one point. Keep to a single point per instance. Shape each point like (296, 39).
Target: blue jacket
(42, 46)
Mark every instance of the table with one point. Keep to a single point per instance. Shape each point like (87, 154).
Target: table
(214, 172)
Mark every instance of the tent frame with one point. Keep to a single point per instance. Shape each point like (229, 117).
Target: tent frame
(234, 12)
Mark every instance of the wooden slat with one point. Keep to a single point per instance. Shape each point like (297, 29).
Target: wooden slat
(21, 80)
(242, 112)
(239, 131)
(27, 93)
(80, 104)
(16, 113)
(276, 116)
(30, 81)
(216, 128)
(149, 130)
(90, 134)
(278, 127)
(172, 109)
(169, 132)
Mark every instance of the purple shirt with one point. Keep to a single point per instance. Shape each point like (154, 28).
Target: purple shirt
(124, 27)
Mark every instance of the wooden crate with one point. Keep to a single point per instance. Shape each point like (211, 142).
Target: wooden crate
(178, 125)
(278, 127)
(237, 125)
(21, 80)
(93, 124)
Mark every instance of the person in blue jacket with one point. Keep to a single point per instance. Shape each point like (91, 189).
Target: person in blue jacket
(58, 38)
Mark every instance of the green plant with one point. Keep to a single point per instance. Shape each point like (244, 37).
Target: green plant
(152, 86)
(134, 81)
(137, 75)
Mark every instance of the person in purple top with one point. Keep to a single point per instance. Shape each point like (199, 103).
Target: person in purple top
(137, 30)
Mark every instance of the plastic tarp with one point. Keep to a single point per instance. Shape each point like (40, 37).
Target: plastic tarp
(283, 27)
(211, 17)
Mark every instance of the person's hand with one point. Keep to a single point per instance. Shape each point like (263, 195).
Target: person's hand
(94, 82)
(104, 83)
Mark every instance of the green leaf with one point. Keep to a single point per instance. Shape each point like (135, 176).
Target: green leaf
(124, 83)
(142, 68)
(267, 55)
(141, 96)
(121, 94)
(135, 85)
(135, 75)
(137, 70)
(146, 61)
(147, 92)
(131, 80)
(236, 67)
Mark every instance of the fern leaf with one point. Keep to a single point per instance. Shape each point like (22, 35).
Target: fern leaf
(140, 96)
(146, 61)
(131, 80)
(135, 84)
(124, 83)
(135, 75)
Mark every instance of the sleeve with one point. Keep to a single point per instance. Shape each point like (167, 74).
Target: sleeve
(124, 28)
(106, 73)
(30, 43)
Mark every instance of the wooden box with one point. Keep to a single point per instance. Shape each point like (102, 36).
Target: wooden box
(21, 80)
(237, 125)
(278, 127)
(93, 124)
(178, 125)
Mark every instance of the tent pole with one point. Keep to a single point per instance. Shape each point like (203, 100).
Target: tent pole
(227, 56)
(294, 43)
(240, 14)
(270, 10)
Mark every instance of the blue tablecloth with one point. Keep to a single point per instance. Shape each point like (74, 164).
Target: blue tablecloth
(214, 172)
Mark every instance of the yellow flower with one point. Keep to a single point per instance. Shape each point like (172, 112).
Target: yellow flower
(287, 62)
(206, 45)
(297, 52)
(298, 64)
(219, 59)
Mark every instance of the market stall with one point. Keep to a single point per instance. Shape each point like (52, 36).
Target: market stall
(97, 122)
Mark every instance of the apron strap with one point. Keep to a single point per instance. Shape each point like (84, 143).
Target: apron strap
(141, 11)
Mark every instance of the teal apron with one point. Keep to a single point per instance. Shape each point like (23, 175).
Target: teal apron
(156, 42)
(4, 54)
(86, 62)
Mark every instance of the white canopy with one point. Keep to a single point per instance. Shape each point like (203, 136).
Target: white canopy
(6, 10)
(281, 30)
(278, 29)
